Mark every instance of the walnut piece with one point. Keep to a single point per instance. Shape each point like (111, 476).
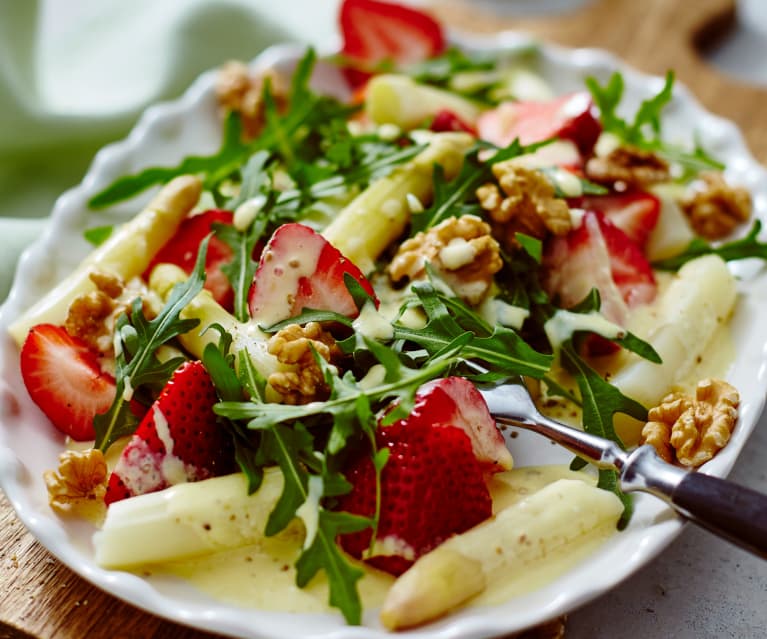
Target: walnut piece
(631, 166)
(716, 208)
(91, 315)
(691, 430)
(80, 478)
(304, 381)
(238, 90)
(524, 203)
(460, 249)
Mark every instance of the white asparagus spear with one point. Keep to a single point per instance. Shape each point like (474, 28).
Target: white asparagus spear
(187, 520)
(398, 99)
(698, 301)
(567, 512)
(379, 215)
(126, 253)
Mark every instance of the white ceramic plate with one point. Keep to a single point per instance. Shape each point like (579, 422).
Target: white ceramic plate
(167, 132)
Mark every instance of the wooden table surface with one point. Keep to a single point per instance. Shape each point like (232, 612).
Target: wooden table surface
(43, 599)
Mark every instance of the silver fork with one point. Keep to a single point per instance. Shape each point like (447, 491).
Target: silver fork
(728, 510)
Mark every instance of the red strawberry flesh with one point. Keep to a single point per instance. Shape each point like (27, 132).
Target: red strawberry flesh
(446, 121)
(432, 487)
(375, 31)
(635, 213)
(64, 378)
(569, 117)
(178, 440)
(597, 254)
(183, 247)
(455, 401)
(300, 269)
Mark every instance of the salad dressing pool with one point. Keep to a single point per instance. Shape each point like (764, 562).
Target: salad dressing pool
(262, 575)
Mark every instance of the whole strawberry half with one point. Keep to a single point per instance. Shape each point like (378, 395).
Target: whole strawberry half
(178, 440)
(597, 254)
(182, 249)
(375, 31)
(635, 213)
(455, 401)
(64, 378)
(569, 117)
(300, 269)
(432, 487)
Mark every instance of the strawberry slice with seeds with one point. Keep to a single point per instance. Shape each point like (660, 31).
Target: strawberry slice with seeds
(300, 269)
(597, 254)
(635, 213)
(432, 487)
(64, 378)
(182, 249)
(178, 440)
(445, 121)
(455, 401)
(569, 117)
(375, 31)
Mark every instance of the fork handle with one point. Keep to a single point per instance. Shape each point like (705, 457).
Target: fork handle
(726, 509)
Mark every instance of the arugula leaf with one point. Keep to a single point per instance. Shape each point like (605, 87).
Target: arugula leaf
(587, 187)
(450, 198)
(228, 159)
(241, 269)
(136, 362)
(532, 246)
(645, 131)
(741, 249)
(286, 446)
(98, 234)
(631, 342)
(265, 416)
(282, 133)
(439, 70)
(600, 402)
(247, 452)
(502, 351)
(324, 553)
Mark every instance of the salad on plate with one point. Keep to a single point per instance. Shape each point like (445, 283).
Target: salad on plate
(266, 380)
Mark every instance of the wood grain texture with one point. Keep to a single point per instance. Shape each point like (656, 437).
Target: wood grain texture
(43, 599)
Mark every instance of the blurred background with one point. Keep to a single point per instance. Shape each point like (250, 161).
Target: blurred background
(75, 75)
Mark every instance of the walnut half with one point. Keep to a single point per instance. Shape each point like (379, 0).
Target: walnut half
(690, 430)
(303, 381)
(80, 479)
(525, 203)
(460, 249)
(715, 208)
(627, 164)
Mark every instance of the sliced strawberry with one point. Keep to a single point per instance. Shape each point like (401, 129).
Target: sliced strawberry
(454, 401)
(182, 249)
(570, 117)
(300, 269)
(446, 120)
(64, 378)
(597, 254)
(635, 213)
(432, 487)
(375, 31)
(178, 440)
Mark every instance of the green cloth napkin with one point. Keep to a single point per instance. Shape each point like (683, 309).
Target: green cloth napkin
(76, 75)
